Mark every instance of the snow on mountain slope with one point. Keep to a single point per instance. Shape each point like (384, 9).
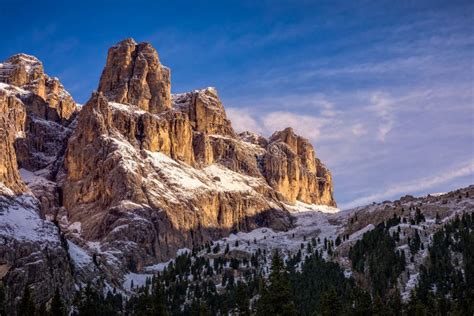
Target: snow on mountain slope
(20, 220)
(31, 250)
(314, 226)
(312, 223)
(212, 178)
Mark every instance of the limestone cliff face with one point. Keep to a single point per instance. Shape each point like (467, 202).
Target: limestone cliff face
(48, 107)
(134, 75)
(205, 111)
(177, 171)
(119, 184)
(139, 173)
(34, 114)
(12, 122)
(26, 72)
(292, 169)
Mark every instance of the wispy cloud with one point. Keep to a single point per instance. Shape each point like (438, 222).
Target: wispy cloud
(417, 185)
(242, 121)
(382, 106)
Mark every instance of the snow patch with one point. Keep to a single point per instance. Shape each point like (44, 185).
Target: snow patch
(299, 207)
(138, 280)
(20, 219)
(358, 234)
(127, 108)
(80, 257)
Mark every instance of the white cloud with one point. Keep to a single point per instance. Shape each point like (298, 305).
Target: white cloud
(306, 125)
(359, 129)
(382, 107)
(266, 124)
(243, 121)
(417, 185)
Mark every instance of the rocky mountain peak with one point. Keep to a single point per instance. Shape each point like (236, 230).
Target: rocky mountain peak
(21, 70)
(139, 173)
(134, 75)
(26, 72)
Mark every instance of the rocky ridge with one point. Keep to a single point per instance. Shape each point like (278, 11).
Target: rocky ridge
(332, 233)
(135, 175)
(35, 116)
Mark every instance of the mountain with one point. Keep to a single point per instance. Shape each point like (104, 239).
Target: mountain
(91, 193)
(146, 202)
(409, 256)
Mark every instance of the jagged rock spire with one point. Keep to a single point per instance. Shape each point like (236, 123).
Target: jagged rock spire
(133, 74)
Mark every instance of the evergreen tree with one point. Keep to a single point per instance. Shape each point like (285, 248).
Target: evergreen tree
(159, 302)
(57, 308)
(26, 306)
(361, 303)
(330, 304)
(3, 303)
(375, 255)
(242, 299)
(277, 298)
(415, 243)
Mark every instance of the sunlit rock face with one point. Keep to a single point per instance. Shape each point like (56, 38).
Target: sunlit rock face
(133, 74)
(291, 168)
(35, 118)
(174, 167)
(136, 173)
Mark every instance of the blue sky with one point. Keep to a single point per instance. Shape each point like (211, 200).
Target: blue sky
(383, 89)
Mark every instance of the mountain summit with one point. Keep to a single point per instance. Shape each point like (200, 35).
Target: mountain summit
(136, 173)
(134, 75)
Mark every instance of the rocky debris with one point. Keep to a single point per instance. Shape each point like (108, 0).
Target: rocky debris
(134, 75)
(291, 168)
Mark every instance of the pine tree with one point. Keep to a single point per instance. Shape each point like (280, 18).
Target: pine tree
(226, 251)
(277, 298)
(329, 304)
(217, 248)
(26, 306)
(42, 311)
(415, 243)
(3, 308)
(395, 303)
(159, 302)
(242, 299)
(361, 303)
(57, 307)
(379, 308)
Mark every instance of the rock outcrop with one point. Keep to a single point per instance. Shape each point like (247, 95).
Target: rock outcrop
(35, 112)
(205, 111)
(291, 168)
(26, 72)
(118, 185)
(133, 75)
(180, 172)
(12, 123)
(137, 173)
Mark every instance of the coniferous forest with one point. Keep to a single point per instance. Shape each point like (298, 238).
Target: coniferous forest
(297, 285)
